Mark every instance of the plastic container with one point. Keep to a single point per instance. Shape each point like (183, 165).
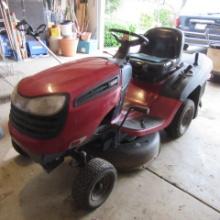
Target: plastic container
(67, 28)
(6, 48)
(34, 48)
(55, 31)
(68, 46)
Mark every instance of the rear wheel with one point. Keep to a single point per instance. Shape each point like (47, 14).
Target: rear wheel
(94, 184)
(182, 120)
(19, 150)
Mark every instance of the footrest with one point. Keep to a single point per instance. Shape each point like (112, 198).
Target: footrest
(141, 125)
(144, 122)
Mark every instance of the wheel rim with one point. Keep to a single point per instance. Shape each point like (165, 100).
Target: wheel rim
(186, 120)
(101, 189)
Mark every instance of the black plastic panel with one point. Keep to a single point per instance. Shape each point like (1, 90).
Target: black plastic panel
(96, 91)
(42, 127)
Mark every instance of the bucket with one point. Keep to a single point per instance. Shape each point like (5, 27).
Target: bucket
(67, 28)
(68, 46)
(54, 44)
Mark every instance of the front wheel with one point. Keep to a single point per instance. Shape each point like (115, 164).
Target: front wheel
(94, 184)
(182, 119)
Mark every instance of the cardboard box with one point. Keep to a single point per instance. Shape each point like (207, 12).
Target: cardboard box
(87, 47)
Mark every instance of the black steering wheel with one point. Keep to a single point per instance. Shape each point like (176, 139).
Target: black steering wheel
(141, 38)
(25, 27)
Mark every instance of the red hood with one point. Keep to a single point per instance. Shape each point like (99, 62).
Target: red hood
(74, 77)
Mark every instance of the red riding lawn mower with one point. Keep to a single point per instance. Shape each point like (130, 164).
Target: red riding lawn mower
(109, 108)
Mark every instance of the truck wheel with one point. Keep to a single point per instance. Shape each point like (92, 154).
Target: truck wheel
(94, 184)
(19, 150)
(182, 119)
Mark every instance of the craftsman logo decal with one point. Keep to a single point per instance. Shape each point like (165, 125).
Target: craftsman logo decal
(96, 91)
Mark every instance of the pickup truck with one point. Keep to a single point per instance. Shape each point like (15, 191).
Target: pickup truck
(200, 22)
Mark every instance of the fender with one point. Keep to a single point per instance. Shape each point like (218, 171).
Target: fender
(181, 88)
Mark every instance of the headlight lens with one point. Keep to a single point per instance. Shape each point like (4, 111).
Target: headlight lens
(42, 106)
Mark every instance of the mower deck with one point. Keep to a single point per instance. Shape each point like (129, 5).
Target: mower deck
(128, 154)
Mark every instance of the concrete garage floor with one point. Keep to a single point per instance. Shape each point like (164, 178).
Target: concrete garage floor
(182, 183)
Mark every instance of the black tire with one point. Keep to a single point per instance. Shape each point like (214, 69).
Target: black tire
(182, 119)
(19, 150)
(94, 184)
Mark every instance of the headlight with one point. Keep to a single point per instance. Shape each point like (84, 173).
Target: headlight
(42, 106)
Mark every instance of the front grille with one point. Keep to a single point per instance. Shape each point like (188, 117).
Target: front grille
(41, 127)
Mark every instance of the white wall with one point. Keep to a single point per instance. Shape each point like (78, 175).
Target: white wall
(96, 16)
(92, 7)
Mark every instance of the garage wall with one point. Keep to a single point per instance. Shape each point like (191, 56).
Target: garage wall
(34, 12)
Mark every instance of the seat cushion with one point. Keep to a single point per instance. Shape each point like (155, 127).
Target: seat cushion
(146, 57)
(149, 68)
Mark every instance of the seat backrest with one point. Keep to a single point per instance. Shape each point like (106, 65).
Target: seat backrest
(164, 42)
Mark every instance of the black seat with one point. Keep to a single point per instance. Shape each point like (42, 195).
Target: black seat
(161, 56)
